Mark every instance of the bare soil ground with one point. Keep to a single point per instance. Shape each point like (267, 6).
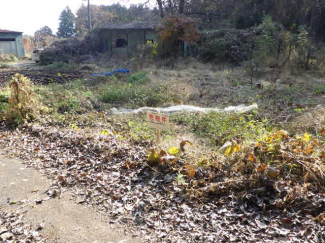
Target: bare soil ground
(41, 76)
(22, 64)
(59, 219)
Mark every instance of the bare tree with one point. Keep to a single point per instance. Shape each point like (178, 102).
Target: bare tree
(161, 9)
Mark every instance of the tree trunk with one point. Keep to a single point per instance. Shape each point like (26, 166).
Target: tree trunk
(181, 6)
(161, 10)
(170, 7)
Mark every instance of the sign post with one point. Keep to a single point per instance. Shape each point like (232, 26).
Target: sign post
(158, 121)
(158, 136)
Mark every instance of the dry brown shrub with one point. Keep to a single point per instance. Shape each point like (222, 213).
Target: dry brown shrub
(23, 102)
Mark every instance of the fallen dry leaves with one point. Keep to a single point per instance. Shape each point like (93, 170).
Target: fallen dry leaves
(12, 229)
(212, 204)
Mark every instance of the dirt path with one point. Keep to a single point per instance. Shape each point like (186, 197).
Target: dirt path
(22, 64)
(63, 219)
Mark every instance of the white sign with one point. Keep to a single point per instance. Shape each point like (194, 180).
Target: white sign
(158, 121)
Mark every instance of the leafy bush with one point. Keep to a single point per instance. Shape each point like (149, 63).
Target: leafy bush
(145, 53)
(264, 49)
(226, 45)
(303, 47)
(138, 78)
(23, 102)
(265, 43)
(71, 49)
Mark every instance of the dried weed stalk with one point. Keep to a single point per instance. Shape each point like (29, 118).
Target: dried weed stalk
(23, 102)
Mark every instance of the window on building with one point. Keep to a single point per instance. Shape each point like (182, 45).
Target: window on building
(178, 43)
(7, 39)
(121, 43)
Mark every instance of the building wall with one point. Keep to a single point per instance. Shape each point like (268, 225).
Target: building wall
(135, 38)
(18, 48)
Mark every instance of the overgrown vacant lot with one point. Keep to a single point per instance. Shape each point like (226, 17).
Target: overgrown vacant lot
(216, 177)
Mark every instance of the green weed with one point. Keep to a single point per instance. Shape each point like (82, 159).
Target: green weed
(4, 97)
(68, 105)
(88, 94)
(319, 90)
(138, 78)
(4, 105)
(139, 130)
(221, 127)
(63, 98)
(62, 66)
(3, 66)
(136, 95)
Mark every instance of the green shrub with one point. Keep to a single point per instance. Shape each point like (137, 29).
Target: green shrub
(226, 45)
(138, 78)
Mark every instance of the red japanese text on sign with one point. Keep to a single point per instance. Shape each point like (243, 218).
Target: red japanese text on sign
(158, 121)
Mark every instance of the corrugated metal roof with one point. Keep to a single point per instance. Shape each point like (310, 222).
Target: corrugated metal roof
(9, 31)
(129, 26)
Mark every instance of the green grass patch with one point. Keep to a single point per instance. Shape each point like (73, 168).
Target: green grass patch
(138, 78)
(4, 105)
(319, 90)
(139, 130)
(135, 95)
(68, 105)
(61, 66)
(219, 128)
(3, 65)
(62, 98)
(4, 96)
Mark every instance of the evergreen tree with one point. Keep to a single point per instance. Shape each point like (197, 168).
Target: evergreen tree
(67, 23)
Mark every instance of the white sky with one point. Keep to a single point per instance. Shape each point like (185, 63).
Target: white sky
(29, 16)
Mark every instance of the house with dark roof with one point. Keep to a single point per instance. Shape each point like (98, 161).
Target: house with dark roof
(122, 39)
(11, 42)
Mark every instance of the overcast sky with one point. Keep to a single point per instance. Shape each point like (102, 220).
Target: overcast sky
(30, 15)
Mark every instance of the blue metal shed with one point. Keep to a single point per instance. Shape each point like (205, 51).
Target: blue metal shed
(11, 42)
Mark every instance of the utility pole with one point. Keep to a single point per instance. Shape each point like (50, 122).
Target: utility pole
(88, 16)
